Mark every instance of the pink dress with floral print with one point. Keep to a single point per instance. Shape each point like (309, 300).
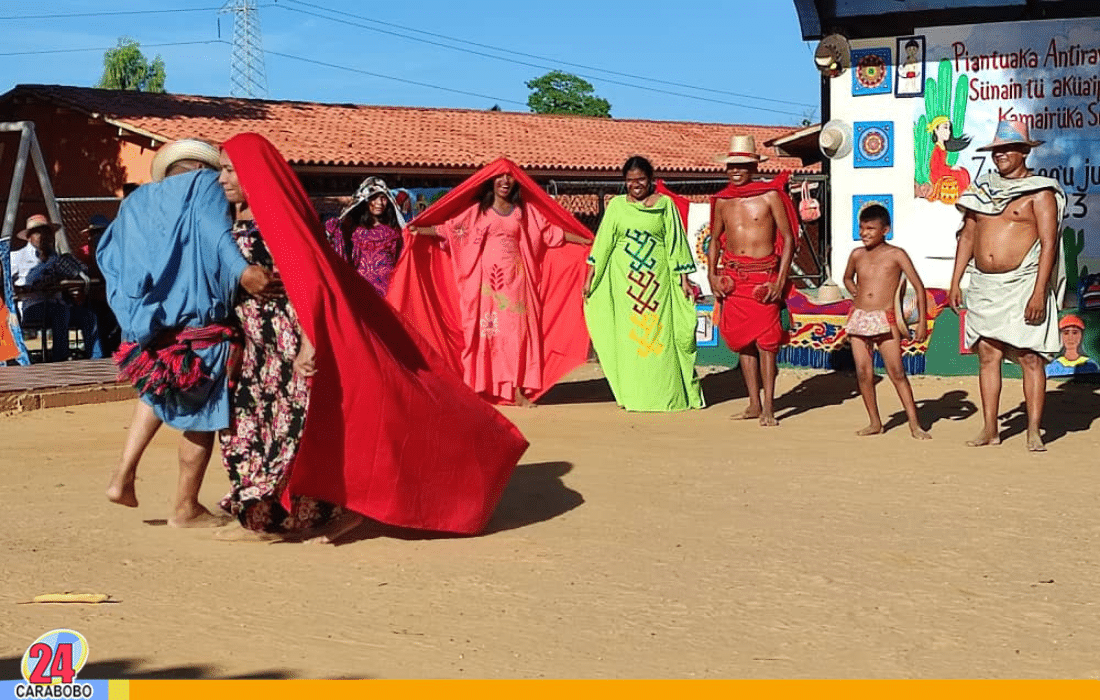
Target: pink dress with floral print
(268, 410)
(495, 260)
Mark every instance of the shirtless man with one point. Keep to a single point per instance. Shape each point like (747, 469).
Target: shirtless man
(873, 278)
(1009, 239)
(188, 221)
(749, 258)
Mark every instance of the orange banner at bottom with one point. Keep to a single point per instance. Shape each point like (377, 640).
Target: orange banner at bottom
(634, 689)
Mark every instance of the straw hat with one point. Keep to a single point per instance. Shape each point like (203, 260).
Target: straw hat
(36, 221)
(835, 139)
(742, 150)
(1011, 132)
(184, 149)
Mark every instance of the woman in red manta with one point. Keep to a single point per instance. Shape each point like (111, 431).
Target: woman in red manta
(389, 433)
(491, 278)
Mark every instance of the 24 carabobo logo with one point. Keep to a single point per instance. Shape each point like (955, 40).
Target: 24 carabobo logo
(51, 664)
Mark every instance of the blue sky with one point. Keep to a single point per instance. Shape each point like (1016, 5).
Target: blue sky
(745, 57)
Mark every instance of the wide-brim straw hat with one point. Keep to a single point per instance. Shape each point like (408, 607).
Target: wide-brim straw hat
(184, 149)
(742, 150)
(1011, 132)
(36, 221)
(835, 139)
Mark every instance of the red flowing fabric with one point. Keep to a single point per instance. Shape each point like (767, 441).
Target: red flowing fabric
(424, 290)
(682, 203)
(391, 432)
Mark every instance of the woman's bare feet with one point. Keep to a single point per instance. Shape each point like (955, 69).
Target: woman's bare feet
(984, 438)
(871, 429)
(768, 420)
(1035, 442)
(197, 517)
(522, 401)
(121, 490)
(340, 526)
(235, 532)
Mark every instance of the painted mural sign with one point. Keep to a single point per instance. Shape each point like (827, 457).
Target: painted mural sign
(1047, 75)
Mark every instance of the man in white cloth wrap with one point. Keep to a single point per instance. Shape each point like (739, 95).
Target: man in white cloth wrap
(1010, 244)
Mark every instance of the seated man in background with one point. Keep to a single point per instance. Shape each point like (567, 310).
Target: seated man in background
(39, 269)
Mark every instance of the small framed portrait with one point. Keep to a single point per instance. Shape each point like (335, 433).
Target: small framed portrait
(909, 81)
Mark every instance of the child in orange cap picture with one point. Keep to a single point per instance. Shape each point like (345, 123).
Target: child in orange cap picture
(1071, 362)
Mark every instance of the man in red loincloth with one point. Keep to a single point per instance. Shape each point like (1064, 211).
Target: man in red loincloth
(749, 259)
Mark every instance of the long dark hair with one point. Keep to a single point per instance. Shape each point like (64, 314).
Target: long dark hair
(643, 164)
(360, 216)
(486, 195)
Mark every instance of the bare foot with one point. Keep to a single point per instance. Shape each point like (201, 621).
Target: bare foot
(1035, 442)
(871, 429)
(236, 533)
(522, 401)
(121, 491)
(919, 433)
(750, 413)
(984, 438)
(340, 526)
(768, 420)
(198, 518)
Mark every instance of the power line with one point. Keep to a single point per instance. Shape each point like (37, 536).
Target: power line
(169, 43)
(117, 12)
(534, 56)
(390, 77)
(543, 67)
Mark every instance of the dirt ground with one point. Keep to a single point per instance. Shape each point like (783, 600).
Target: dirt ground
(627, 545)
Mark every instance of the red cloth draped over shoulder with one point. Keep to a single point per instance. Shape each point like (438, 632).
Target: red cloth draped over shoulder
(682, 203)
(391, 432)
(758, 187)
(423, 287)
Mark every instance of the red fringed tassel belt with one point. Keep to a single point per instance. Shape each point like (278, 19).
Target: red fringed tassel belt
(169, 367)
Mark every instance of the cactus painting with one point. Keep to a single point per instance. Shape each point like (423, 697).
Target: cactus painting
(938, 138)
(1073, 242)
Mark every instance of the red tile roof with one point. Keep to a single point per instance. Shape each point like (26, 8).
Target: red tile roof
(312, 133)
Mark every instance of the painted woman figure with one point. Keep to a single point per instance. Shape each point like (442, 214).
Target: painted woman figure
(944, 143)
(503, 312)
(336, 393)
(368, 233)
(640, 309)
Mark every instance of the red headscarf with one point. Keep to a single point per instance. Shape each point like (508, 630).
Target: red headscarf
(391, 432)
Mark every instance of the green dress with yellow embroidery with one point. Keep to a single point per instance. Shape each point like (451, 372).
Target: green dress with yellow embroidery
(642, 325)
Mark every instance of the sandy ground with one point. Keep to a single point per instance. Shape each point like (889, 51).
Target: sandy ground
(627, 545)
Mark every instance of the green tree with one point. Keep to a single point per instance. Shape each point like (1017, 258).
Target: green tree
(558, 92)
(126, 68)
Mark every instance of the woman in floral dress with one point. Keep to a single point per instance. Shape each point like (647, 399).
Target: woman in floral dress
(269, 401)
(368, 233)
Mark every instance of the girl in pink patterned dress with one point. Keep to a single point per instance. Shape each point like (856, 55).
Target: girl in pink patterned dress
(368, 233)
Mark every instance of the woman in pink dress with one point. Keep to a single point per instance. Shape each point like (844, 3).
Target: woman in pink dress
(496, 246)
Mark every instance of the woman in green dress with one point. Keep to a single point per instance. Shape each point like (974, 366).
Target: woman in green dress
(639, 304)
